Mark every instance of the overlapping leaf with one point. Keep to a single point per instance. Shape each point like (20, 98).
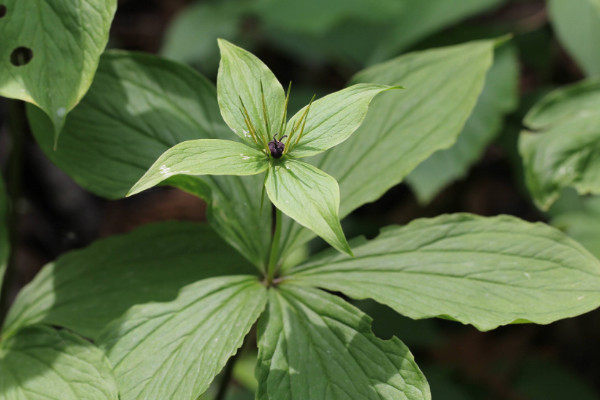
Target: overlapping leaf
(173, 350)
(481, 271)
(50, 51)
(313, 345)
(42, 363)
(577, 24)
(404, 127)
(561, 146)
(86, 289)
(138, 107)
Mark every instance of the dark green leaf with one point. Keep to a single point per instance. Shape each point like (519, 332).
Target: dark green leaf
(86, 289)
(50, 51)
(42, 363)
(481, 271)
(561, 147)
(313, 345)
(174, 350)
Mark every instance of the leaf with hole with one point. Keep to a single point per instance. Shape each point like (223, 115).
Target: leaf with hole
(481, 271)
(313, 345)
(52, 44)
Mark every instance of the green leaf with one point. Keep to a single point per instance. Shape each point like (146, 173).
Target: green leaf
(4, 243)
(62, 41)
(577, 24)
(404, 127)
(310, 197)
(86, 289)
(499, 96)
(244, 81)
(138, 107)
(313, 345)
(561, 146)
(583, 224)
(332, 119)
(174, 350)
(203, 157)
(42, 363)
(481, 271)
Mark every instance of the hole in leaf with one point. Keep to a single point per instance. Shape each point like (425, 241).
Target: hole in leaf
(2, 10)
(21, 56)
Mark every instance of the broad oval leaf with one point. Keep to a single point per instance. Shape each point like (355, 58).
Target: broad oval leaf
(203, 157)
(138, 107)
(310, 197)
(174, 350)
(42, 363)
(86, 289)
(481, 271)
(577, 24)
(50, 51)
(561, 147)
(246, 82)
(4, 243)
(404, 127)
(313, 345)
(499, 97)
(332, 119)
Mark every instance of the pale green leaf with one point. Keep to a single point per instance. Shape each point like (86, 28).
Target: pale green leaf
(4, 243)
(404, 127)
(499, 96)
(42, 363)
(173, 350)
(244, 81)
(481, 271)
(310, 197)
(203, 157)
(86, 289)
(561, 147)
(313, 345)
(65, 40)
(331, 120)
(582, 223)
(577, 25)
(138, 107)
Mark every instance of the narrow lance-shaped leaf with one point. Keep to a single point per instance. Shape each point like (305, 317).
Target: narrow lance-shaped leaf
(43, 363)
(86, 289)
(313, 345)
(4, 244)
(331, 120)
(50, 51)
(561, 147)
(400, 130)
(174, 350)
(203, 157)
(138, 107)
(245, 82)
(310, 197)
(481, 271)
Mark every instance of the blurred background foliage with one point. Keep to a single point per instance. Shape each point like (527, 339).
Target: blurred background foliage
(319, 46)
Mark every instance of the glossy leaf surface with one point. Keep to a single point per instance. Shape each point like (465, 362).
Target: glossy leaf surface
(50, 52)
(481, 271)
(173, 350)
(313, 345)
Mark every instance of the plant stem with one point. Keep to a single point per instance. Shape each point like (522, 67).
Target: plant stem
(13, 189)
(226, 378)
(274, 248)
